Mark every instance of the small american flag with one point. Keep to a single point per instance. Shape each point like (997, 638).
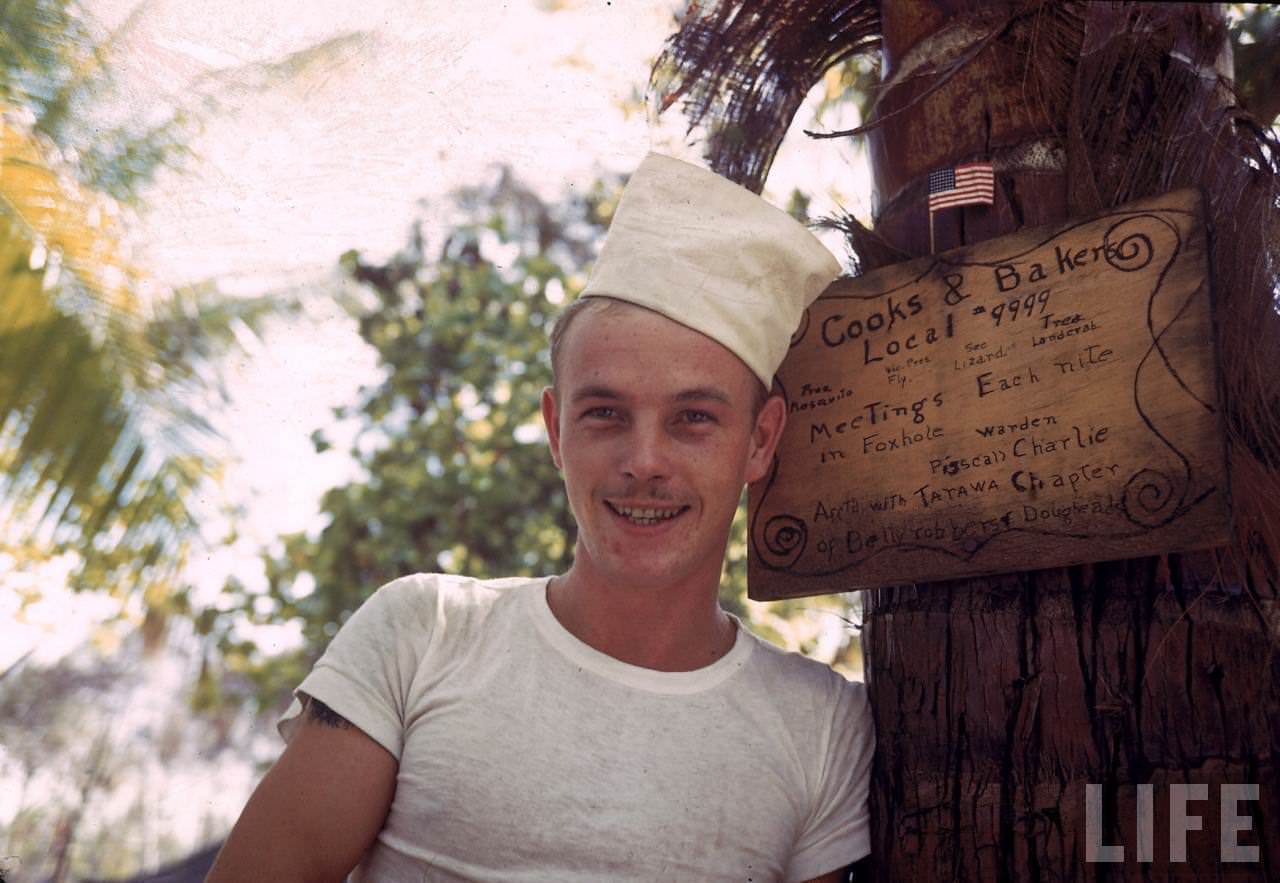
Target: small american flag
(969, 184)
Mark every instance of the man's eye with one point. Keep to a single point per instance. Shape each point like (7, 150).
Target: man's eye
(697, 417)
(600, 412)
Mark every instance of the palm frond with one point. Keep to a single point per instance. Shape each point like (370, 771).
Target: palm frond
(738, 72)
(61, 217)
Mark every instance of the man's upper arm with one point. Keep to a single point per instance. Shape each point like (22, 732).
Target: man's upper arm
(857, 872)
(833, 877)
(318, 808)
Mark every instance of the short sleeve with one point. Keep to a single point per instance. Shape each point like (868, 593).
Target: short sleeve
(838, 831)
(366, 672)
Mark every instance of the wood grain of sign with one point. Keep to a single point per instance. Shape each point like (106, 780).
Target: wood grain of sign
(1041, 399)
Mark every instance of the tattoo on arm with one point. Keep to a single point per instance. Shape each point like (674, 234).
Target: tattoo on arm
(323, 714)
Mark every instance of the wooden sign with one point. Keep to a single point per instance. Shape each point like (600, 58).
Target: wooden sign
(1041, 399)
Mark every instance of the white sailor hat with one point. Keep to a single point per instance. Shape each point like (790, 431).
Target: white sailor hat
(713, 256)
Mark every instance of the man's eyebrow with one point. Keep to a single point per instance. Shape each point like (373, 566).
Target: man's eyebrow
(594, 392)
(694, 394)
(702, 393)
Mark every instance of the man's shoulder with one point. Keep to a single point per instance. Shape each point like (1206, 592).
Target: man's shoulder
(444, 594)
(810, 704)
(432, 612)
(793, 674)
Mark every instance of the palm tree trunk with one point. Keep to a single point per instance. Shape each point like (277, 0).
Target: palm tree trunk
(998, 700)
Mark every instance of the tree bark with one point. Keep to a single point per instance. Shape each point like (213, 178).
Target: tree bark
(998, 700)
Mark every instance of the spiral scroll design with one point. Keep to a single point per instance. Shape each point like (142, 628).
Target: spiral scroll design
(1131, 252)
(784, 541)
(1151, 498)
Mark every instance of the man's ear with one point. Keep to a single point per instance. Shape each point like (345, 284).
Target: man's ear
(551, 418)
(765, 436)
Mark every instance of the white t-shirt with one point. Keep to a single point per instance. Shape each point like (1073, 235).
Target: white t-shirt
(527, 755)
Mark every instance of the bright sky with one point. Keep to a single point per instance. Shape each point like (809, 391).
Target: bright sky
(410, 101)
(414, 100)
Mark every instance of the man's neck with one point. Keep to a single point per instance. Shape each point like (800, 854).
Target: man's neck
(665, 631)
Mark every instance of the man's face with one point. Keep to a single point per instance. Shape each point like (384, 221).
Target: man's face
(652, 425)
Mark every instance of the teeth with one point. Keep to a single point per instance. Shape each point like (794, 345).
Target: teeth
(646, 516)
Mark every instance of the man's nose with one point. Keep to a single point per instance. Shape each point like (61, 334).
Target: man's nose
(647, 455)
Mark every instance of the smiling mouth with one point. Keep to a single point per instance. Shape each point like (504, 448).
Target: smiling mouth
(646, 516)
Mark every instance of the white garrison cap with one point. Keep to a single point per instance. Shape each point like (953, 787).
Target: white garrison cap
(711, 255)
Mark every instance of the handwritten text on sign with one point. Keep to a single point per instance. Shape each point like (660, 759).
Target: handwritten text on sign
(1041, 399)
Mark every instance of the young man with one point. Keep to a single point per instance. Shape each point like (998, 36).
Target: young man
(612, 722)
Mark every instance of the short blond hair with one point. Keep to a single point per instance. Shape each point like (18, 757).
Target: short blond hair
(597, 304)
